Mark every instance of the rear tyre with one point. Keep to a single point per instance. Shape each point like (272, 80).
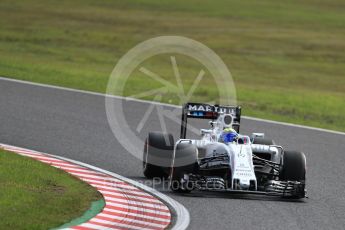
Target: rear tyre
(263, 141)
(157, 155)
(179, 178)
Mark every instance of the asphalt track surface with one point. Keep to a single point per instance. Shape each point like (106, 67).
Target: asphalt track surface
(74, 125)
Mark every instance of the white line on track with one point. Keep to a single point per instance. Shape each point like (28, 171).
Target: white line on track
(163, 104)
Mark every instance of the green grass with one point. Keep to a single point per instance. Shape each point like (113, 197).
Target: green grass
(287, 58)
(34, 195)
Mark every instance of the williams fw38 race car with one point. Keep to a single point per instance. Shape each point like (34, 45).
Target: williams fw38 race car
(222, 159)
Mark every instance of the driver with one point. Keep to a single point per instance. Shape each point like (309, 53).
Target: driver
(229, 135)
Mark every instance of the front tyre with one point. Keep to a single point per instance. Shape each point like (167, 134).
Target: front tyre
(184, 164)
(294, 166)
(294, 169)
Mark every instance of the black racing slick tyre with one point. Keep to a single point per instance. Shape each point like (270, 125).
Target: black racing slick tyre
(263, 141)
(294, 169)
(157, 155)
(293, 166)
(184, 164)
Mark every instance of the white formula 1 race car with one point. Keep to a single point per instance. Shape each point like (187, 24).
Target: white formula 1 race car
(241, 164)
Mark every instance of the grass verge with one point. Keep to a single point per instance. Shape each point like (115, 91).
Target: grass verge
(34, 195)
(286, 58)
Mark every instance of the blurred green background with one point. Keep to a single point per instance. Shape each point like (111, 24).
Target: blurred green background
(287, 58)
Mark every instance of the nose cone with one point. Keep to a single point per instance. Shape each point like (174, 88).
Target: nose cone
(244, 184)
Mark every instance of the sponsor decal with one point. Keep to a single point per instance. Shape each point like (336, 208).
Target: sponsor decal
(208, 108)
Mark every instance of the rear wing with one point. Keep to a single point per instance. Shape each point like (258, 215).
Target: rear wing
(206, 111)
